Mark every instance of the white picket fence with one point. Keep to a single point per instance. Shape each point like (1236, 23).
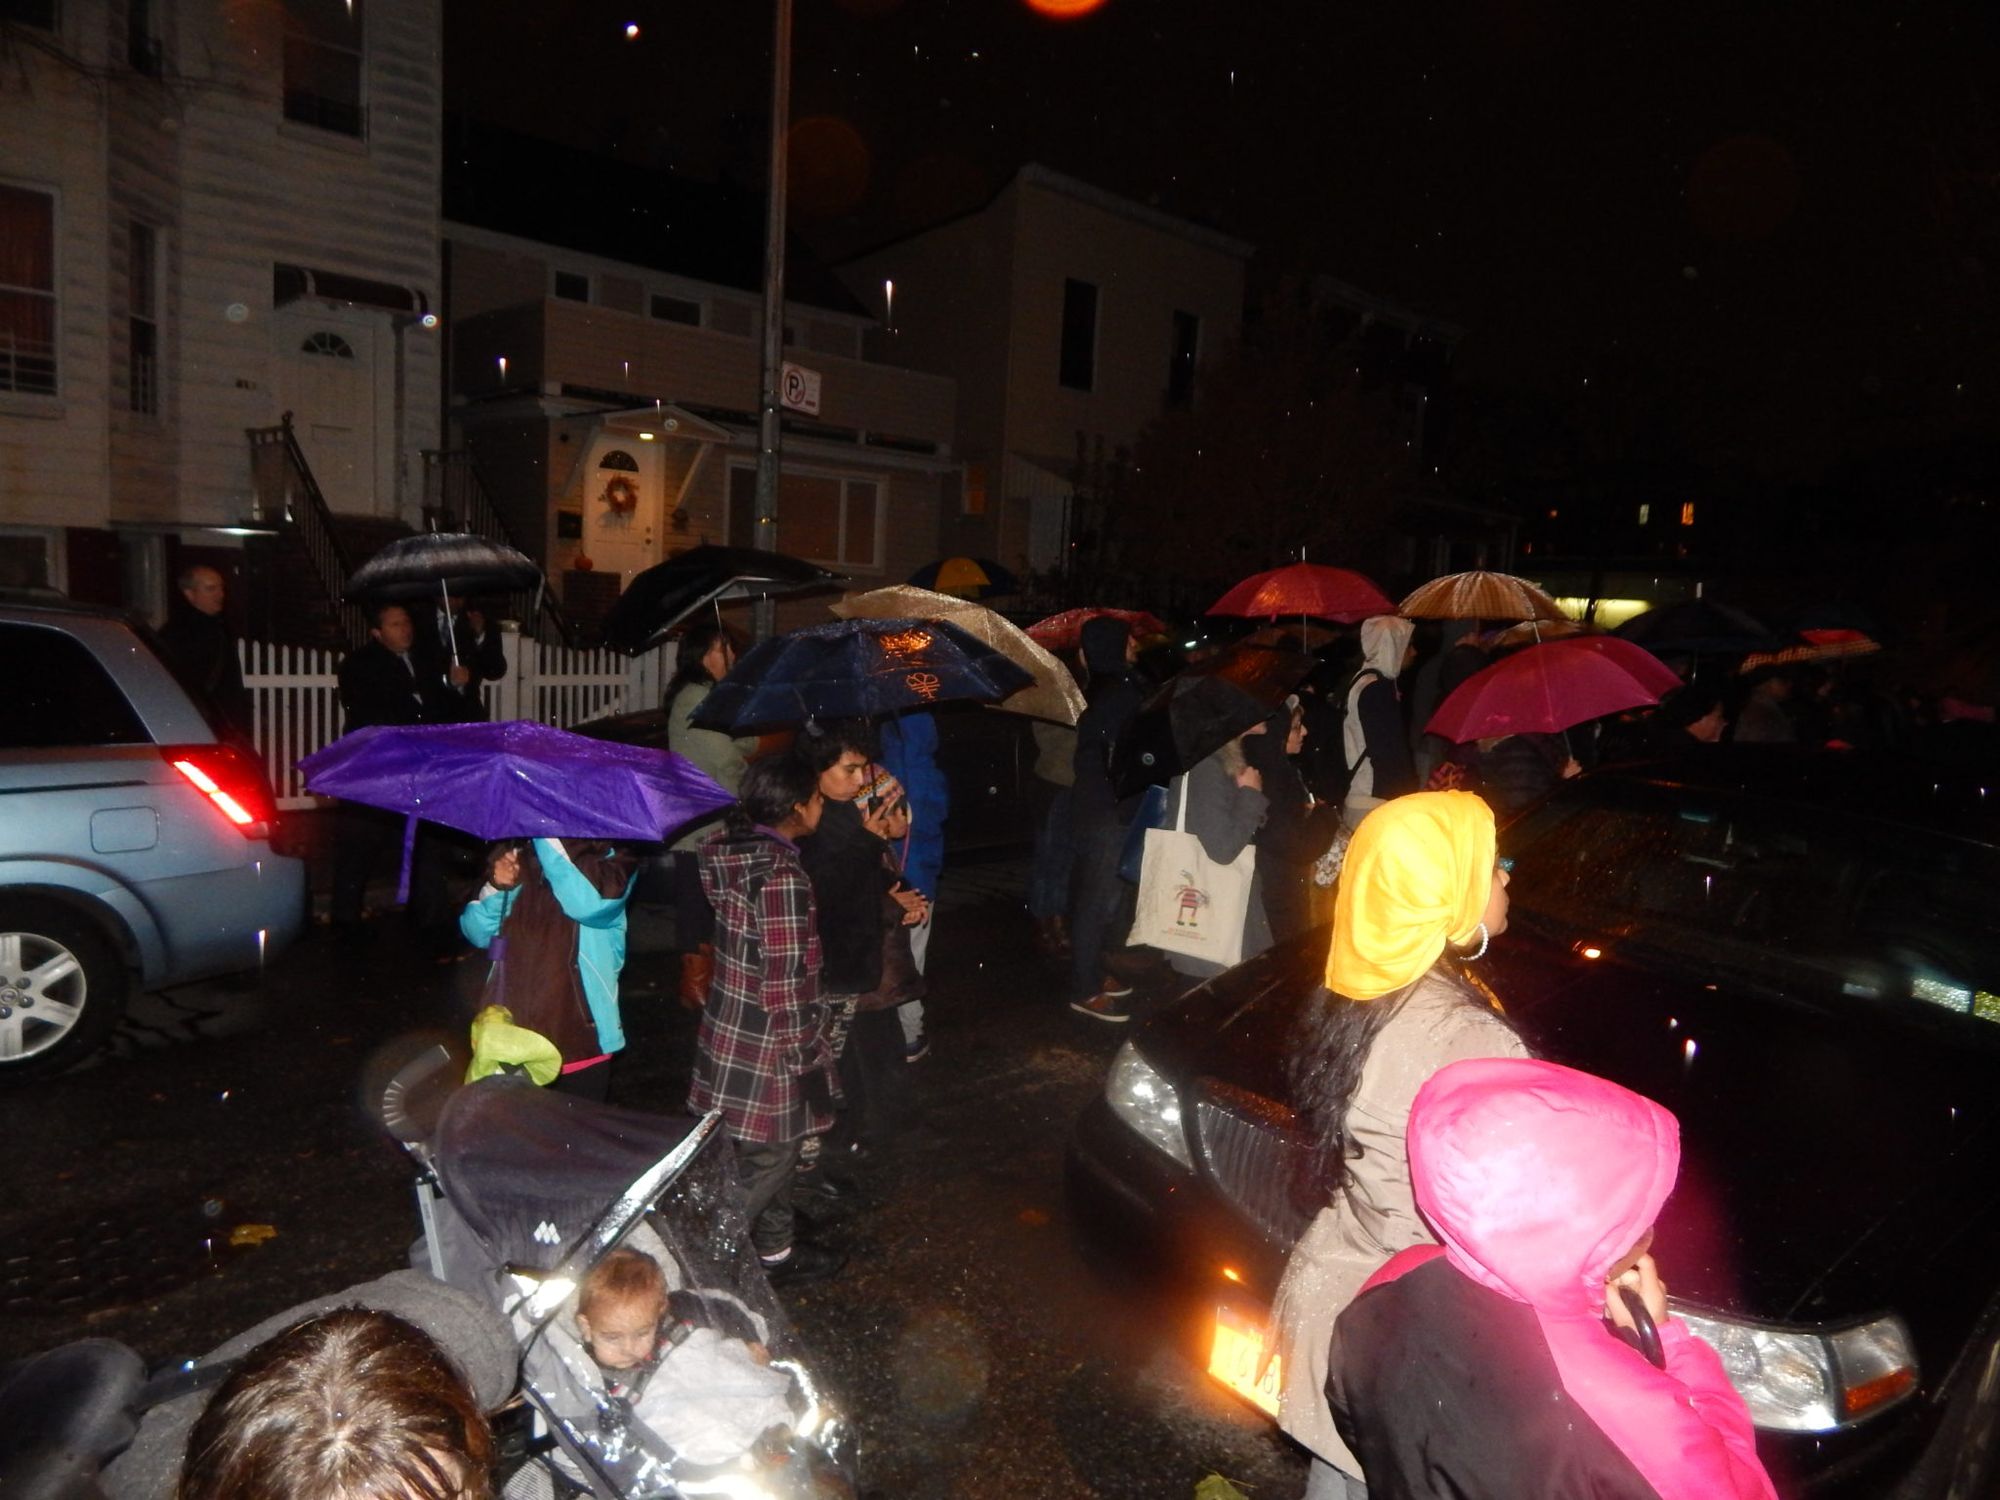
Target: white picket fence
(295, 696)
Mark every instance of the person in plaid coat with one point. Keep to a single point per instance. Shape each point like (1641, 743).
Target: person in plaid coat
(763, 1057)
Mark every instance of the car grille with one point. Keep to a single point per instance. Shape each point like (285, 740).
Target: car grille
(1254, 1152)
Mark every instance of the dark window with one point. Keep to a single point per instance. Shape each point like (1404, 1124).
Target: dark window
(743, 506)
(826, 519)
(1180, 364)
(676, 310)
(27, 291)
(40, 13)
(142, 38)
(619, 459)
(57, 694)
(571, 287)
(1079, 336)
(324, 64)
(332, 345)
(143, 393)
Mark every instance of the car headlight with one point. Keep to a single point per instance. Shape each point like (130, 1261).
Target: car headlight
(1148, 1103)
(1795, 1380)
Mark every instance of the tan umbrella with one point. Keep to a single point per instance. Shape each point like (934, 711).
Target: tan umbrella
(1052, 695)
(1480, 595)
(1528, 632)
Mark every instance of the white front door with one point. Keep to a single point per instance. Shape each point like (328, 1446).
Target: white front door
(621, 504)
(333, 371)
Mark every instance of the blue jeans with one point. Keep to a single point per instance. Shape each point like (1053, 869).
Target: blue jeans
(1100, 902)
(1055, 852)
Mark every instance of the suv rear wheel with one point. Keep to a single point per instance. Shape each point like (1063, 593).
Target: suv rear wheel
(62, 988)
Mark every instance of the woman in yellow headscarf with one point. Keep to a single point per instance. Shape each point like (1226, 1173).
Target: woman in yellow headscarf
(1420, 894)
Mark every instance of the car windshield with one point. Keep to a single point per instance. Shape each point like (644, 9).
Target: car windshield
(1806, 902)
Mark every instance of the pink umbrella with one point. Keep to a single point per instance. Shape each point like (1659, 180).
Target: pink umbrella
(1305, 589)
(1064, 632)
(1545, 689)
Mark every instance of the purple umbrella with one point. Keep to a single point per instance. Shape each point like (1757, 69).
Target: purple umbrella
(514, 779)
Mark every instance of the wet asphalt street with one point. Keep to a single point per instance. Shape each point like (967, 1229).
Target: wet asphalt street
(219, 1165)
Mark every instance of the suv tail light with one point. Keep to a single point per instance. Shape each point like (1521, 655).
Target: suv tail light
(232, 781)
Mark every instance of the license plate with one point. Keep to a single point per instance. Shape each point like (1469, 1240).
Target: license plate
(1236, 1359)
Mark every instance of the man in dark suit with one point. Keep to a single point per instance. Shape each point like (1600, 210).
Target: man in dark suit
(459, 647)
(385, 682)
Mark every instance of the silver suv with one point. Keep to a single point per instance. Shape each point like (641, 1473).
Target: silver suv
(135, 843)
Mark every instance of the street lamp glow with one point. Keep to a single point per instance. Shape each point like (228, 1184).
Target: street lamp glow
(631, 31)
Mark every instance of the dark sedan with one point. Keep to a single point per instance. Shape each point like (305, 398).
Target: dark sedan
(1801, 958)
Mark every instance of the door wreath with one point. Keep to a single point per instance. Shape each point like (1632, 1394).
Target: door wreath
(622, 495)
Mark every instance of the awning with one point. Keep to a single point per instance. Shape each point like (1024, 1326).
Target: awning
(297, 283)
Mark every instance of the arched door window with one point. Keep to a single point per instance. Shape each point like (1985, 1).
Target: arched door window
(331, 345)
(620, 460)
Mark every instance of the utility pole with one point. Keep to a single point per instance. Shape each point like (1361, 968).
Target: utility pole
(769, 434)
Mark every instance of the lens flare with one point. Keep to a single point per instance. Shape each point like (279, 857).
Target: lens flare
(1064, 10)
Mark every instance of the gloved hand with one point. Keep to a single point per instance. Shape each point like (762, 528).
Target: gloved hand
(818, 1089)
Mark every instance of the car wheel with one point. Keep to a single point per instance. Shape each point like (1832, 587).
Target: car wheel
(62, 988)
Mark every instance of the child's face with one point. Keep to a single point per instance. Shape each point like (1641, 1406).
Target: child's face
(622, 1335)
(893, 821)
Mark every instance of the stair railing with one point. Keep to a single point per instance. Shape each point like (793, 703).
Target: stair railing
(286, 491)
(455, 499)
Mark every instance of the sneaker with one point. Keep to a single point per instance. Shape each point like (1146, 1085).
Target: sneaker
(917, 1048)
(826, 1194)
(807, 1262)
(1116, 988)
(1103, 1006)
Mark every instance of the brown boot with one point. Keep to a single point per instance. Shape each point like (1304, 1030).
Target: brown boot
(697, 970)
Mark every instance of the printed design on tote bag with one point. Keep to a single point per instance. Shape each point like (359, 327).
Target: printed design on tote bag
(1189, 899)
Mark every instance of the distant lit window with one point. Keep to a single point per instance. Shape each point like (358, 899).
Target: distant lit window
(1553, 512)
(676, 310)
(1687, 513)
(1180, 364)
(143, 321)
(974, 493)
(325, 65)
(572, 287)
(331, 345)
(27, 291)
(1645, 514)
(1078, 368)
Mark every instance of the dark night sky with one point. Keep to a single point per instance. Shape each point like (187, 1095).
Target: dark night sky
(1772, 227)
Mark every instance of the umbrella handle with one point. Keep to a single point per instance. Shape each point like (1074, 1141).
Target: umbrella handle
(450, 626)
(409, 852)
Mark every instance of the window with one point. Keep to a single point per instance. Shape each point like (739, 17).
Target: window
(332, 345)
(1180, 363)
(820, 517)
(27, 291)
(619, 459)
(1079, 336)
(323, 64)
(143, 382)
(142, 38)
(1687, 513)
(676, 310)
(572, 287)
(58, 694)
(40, 13)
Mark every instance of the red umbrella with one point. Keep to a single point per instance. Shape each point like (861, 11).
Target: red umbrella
(1064, 632)
(1305, 589)
(1545, 689)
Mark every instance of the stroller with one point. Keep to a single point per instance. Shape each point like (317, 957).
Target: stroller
(522, 1191)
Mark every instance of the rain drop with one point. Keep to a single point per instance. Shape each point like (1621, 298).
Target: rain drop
(1688, 1050)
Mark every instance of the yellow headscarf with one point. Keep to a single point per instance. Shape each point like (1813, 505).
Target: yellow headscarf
(1417, 875)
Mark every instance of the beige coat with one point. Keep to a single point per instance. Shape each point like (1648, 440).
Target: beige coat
(724, 759)
(1374, 1214)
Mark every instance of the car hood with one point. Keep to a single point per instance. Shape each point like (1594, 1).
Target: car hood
(1835, 1162)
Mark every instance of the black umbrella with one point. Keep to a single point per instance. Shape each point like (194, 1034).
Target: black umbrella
(858, 669)
(1203, 709)
(663, 596)
(1698, 627)
(442, 562)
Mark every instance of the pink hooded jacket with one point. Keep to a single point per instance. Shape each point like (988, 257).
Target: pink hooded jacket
(1538, 1179)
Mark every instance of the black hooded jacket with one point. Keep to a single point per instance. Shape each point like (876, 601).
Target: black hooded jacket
(1114, 695)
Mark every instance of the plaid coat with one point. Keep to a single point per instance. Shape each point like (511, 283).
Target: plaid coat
(764, 1028)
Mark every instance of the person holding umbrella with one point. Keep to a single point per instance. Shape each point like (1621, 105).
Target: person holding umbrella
(1374, 747)
(703, 658)
(1098, 818)
(560, 904)
(762, 1056)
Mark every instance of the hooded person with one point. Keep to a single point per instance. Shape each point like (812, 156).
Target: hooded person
(1485, 1365)
(1373, 744)
(1420, 896)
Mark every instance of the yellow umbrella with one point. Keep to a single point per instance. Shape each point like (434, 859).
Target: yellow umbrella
(1479, 595)
(1052, 695)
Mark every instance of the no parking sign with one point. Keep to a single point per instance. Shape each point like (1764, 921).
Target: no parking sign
(798, 389)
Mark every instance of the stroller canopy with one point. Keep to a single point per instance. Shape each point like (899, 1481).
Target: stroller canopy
(531, 1171)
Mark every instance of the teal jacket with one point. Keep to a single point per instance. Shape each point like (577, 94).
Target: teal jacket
(600, 942)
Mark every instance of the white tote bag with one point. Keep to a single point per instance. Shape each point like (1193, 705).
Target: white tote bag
(1188, 903)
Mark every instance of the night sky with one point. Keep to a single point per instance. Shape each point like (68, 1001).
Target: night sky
(1774, 228)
